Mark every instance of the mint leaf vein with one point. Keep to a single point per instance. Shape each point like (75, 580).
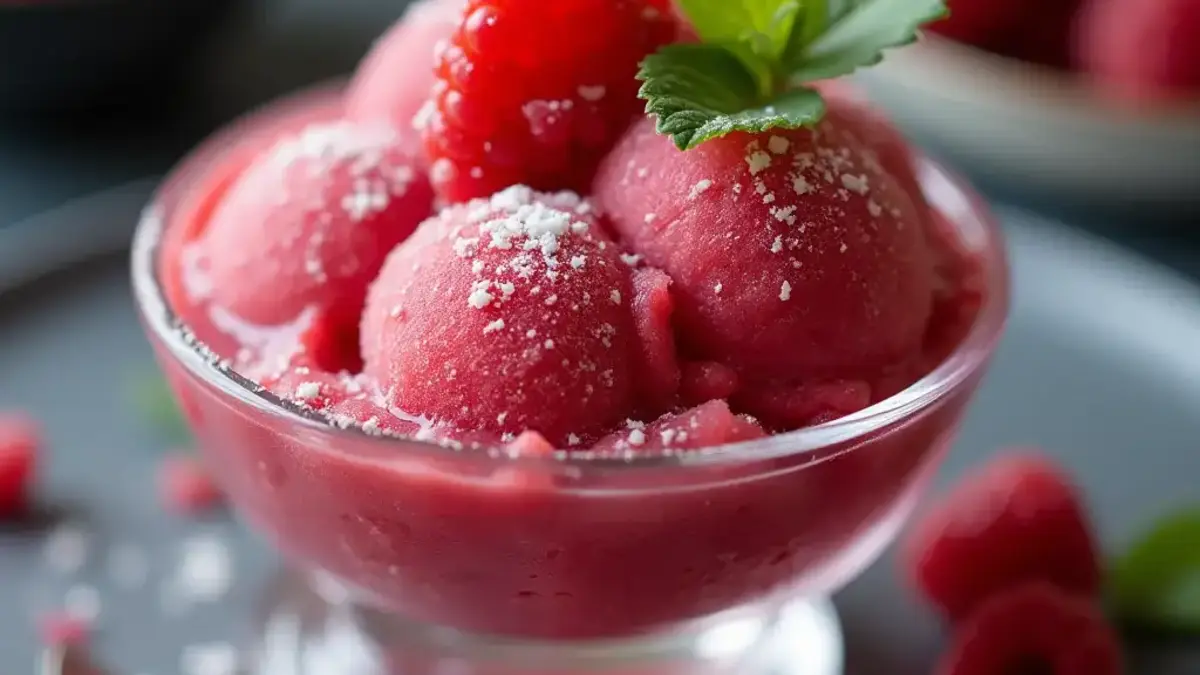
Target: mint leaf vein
(698, 92)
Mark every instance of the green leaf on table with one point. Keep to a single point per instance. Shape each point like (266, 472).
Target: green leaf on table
(698, 92)
(1156, 584)
(155, 402)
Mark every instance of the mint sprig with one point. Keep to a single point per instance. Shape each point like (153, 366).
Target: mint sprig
(1156, 584)
(721, 87)
(756, 56)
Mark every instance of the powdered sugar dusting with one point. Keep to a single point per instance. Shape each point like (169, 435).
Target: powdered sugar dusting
(545, 291)
(700, 188)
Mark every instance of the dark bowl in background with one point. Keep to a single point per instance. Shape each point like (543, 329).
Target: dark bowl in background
(62, 56)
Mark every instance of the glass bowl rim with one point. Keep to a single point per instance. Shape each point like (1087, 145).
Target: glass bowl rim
(971, 355)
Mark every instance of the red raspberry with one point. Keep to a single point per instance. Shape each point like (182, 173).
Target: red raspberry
(535, 92)
(185, 485)
(1035, 628)
(1019, 519)
(19, 443)
(1142, 50)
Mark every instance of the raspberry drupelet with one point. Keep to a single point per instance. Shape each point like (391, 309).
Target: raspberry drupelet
(534, 92)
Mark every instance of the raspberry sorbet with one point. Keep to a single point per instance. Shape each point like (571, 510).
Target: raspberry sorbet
(611, 383)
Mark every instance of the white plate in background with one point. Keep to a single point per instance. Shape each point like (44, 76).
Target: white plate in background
(1028, 125)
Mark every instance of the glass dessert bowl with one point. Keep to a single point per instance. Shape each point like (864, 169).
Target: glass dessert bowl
(414, 557)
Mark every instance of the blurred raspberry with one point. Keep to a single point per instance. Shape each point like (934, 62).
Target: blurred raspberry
(1142, 50)
(1035, 628)
(20, 440)
(1019, 519)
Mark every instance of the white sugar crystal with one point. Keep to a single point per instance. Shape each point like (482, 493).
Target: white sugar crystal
(778, 144)
(631, 259)
(858, 184)
(442, 170)
(777, 245)
(308, 390)
(758, 161)
(700, 188)
(637, 437)
(718, 288)
(464, 247)
(479, 296)
(800, 185)
(494, 326)
(615, 296)
(785, 291)
(592, 93)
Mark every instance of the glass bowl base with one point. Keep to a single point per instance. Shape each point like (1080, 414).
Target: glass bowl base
(304, 629)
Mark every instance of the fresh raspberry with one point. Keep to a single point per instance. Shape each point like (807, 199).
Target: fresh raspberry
(1141, 50)
(19, 444)
(1034, 628)
(185, 485)
(535, 92)
(1017, 520)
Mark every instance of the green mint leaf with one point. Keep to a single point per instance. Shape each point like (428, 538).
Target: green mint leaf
(856, 35)
(762, 27)
(153, 400)
(699, 92)
(815, 21)
(1156, 584)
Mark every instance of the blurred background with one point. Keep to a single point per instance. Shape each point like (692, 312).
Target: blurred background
(97, 92)
(1082, 121)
